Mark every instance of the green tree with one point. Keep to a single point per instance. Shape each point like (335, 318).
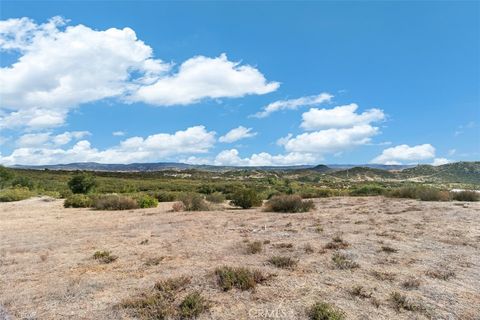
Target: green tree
(82, 183)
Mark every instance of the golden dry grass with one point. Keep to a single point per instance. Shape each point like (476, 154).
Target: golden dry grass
(47, 270)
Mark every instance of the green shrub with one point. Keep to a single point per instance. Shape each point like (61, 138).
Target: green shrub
(15, 194)
(467, 195)
(421, 193)
(193, 201)
(146, 201)
(165, 196)
(82, 183)
(192, 306)
(22, 182)
(246, 198)
(368, 190)
(114, 202)
(289, 203)
(78, 201)
(216, 197)
(324, 311)
(241, 278)
(5, 175)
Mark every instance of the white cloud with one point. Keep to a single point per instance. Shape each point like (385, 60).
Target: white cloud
(47, 139)
(201, 77)
(237, 134)
(339, 117)
(440, 161)
(61, 67)
(231, 158)
(155, 147)
(118, 133)
(405, 153)
(330, 140)
(293, 104)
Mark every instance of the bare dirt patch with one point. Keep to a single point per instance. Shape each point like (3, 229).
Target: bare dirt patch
(47, 269)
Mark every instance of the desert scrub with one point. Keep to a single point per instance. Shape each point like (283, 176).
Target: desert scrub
(15, 194)
(289, 203)
(411, 283)
(420, 192)
(342, 261)
(171, 285)
(254, 247)
(368, 190)
(104, 256)
(467, 195)
(240, 278)
(78, 201)
(193, 201)
(246, 198)
(337, 243)
(192, 306)
(164, 196)
(283, 262)
(114, 202)
(324, 311)
(401, 301)
(442, 274)
(216, 197)
(146, 201)
(361, 292)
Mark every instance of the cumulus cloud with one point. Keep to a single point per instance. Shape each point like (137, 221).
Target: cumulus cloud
(293, 104)
(231, 158)
(60, 67)
(339, 117)
(330, 140)
(202, 77)
(405, 154)
(193, 140)
(237, 134)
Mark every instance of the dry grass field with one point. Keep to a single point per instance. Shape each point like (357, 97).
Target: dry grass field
(393, 259)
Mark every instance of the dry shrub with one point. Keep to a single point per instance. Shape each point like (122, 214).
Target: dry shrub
(467, 195)
(216, 197)
(193, 201)
(104, 256)
(401, 301)
(240, 278)
(337, 243)
(254, 247)
(289, 204)
(114, 202)
(283, 262)
(178, 206)
(342, 261)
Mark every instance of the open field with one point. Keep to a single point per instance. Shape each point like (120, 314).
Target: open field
(47, 270)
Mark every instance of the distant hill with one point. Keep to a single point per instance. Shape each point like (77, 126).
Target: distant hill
(459, 172)
(364, 174)
(463, 172)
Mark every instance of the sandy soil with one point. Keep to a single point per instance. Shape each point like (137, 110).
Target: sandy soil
(47, 270)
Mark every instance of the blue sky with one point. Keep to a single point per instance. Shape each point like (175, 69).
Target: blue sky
(347, 82)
